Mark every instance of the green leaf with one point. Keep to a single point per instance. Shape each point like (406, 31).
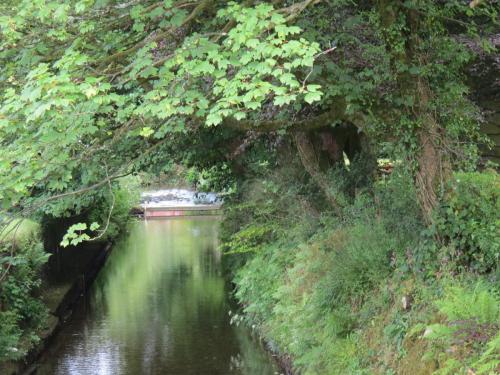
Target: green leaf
(312, 97)
(146, 132)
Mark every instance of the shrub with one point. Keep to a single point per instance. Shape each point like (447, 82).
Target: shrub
(22, 314)
(361, 263)
(306, 276)
(399, 209)
(123, 202)
(10, 335)
(468, 222)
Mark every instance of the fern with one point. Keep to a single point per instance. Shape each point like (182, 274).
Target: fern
(489, 362)
(471, 326)
(482, 304)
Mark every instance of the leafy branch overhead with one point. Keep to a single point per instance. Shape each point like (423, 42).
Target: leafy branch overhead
(76, 234)
(76, 100)
(254, 63)
(87, 81)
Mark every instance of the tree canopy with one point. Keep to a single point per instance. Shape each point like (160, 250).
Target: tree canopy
(92, 90)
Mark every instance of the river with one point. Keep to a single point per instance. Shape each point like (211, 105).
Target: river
(160, 305)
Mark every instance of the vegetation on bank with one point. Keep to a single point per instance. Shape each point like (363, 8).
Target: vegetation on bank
(23, 315)
(375, 291)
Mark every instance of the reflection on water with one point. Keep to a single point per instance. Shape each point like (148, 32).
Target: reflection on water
(159, 306)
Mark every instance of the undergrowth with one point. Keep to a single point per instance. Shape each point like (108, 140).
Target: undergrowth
(22, 314)
(360, 294)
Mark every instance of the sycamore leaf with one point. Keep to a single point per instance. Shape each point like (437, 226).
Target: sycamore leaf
(146, 132)
(75, 235)
(312, 97)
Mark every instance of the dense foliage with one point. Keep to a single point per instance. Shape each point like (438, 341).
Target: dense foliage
(468, 222)
(287, 107)
(22, 315)
(377, 292)
(114, 87)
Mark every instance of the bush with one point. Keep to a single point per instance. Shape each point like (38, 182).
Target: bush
(281, 289)
(22, 314)
(10, 335)
(124, 200)
(304, 297)
(339, 295)
(361, 263)
(468, 222)
(399, 209)
(307, 276)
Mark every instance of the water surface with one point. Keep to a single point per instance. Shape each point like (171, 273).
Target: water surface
(159, 306)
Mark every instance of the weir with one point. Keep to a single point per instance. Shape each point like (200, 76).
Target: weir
(179, 202)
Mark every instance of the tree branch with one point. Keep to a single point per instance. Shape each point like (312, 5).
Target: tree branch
(122, 54)
(338, 111)
(113, 200)
(85, 189)
(295, 9)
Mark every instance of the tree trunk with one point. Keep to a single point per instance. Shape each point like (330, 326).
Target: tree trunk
(311, 163)
(428, 176)
(433, 165)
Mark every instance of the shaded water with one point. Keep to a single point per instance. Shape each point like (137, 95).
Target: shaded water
(159, 306)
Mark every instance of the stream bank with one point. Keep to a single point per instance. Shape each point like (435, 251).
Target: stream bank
(67, 276)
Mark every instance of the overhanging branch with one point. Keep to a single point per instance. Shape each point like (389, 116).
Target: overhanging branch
(159, 36)
(337, 112)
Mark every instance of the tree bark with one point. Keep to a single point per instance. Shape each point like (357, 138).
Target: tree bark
(310, 161)
(433, 166)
